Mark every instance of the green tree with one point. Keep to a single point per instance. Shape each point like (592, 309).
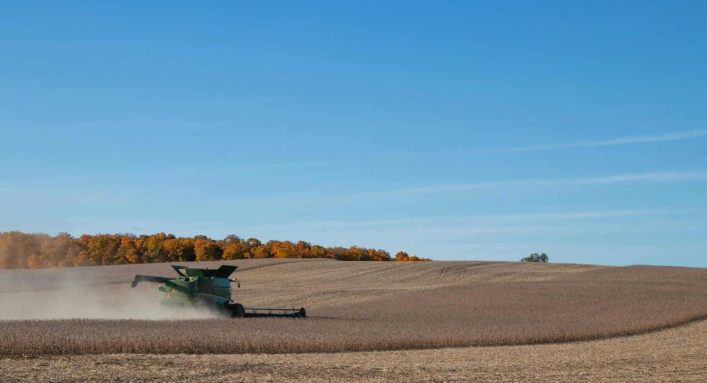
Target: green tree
(538, 258)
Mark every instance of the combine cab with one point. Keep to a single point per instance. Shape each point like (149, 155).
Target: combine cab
(210, 289)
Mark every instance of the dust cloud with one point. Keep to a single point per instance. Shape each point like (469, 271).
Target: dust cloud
(40, 295)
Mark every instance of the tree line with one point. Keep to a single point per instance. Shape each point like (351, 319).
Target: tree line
(24, 250)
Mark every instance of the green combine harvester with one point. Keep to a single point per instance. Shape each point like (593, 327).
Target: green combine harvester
(210, 289)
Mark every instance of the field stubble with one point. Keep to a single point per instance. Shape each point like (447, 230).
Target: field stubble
(667, 356)
(369, 306)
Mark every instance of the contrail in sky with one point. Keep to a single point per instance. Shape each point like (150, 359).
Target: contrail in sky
(655, 177)
(631, 140)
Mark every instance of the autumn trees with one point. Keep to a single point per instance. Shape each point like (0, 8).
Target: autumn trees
(402, 256)
(20, 250)
(38, 250)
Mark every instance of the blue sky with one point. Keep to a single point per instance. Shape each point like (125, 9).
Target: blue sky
(453, 130)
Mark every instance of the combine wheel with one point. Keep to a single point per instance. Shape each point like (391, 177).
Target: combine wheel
(237, 310)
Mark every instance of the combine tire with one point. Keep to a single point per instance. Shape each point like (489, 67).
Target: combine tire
(237, 310)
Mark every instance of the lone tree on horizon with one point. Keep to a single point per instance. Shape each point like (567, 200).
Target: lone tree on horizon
(535, 257)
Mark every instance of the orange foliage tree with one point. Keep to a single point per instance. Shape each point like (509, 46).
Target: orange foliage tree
(22, 250)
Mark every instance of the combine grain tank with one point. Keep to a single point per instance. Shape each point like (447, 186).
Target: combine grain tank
(210, 289)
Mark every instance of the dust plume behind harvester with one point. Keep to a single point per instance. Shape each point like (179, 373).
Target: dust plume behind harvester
(210, 289)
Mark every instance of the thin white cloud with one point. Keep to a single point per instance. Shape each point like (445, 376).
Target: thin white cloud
(660, 177)
(631, 140)
(655, 177)
(484, 219)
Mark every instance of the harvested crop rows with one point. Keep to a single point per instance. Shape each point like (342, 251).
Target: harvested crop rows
(354, 306)
(675, 355)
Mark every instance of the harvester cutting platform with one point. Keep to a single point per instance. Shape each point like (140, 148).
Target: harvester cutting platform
(210, 288)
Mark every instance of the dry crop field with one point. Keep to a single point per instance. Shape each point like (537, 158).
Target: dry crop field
(368, 307)
(674, 355)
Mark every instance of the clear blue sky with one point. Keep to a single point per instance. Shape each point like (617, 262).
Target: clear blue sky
(453, 130)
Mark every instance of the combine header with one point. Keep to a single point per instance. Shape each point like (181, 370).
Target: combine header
(210, 289)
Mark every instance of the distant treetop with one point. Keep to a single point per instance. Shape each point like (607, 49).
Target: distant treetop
(535, 257)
